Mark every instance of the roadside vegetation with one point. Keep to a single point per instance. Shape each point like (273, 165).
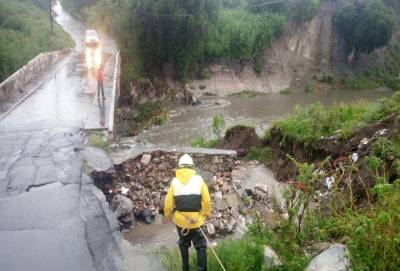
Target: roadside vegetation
(310, 124)
(25, 32)
(147, 115)
(218, 129)
(187, 37)
(360, 209)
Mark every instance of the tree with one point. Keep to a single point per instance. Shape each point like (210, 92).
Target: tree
(173, 31)
(365, 26)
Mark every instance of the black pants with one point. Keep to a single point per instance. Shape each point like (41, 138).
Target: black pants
(199, 243)
(100, 87)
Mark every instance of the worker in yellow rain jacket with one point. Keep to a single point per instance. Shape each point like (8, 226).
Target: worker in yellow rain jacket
(189, 200)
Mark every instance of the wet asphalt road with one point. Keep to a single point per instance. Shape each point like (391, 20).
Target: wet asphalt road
(51, 215)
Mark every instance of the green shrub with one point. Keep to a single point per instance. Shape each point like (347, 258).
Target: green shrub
(365, 25)
(309, 88)
(310, 124)
(218, 125)
(24, 33)
(361, 82)
(200, 142)
(236, 255)
(374, 235)
(246, 94)
(151, 113)
(239, 34)
(303, 10)
(263, 155)
(286, 91)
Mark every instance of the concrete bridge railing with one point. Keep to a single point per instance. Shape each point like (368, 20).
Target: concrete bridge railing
(115, 95)
(30, 71)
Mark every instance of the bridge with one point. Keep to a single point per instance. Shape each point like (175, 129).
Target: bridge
(52, 217)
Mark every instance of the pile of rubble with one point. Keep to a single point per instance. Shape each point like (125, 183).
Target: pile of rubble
(141, 185)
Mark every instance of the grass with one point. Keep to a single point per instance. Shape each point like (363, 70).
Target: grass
(150, 113)
(286, 91)
(24, 33)
(263, 155)
(98, 140)
(236, 255)
(310, 124)
(246, 94)
(200, 142)
(361, 82)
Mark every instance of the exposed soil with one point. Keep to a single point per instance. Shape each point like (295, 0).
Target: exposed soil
(340, 150)
(241, 139)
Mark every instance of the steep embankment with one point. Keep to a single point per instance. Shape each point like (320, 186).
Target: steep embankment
(303, 50)
(311, 45)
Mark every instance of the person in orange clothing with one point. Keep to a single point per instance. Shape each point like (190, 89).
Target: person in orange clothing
(189, 201)
(100, 81)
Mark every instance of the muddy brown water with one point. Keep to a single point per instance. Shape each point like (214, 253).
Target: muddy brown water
(186, 123)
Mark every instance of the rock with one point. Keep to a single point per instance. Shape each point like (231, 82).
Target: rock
(261, 187)
(381, 132)
(271, 259)
(217, 195)
(335, 258)
(220, 204)
(232, 201)
(210, 228)
(122, 205)
(158, 219)
(237, 183)
(146, 158)
(162, 166)
(216, 160)
(97, 159)
(146, 216)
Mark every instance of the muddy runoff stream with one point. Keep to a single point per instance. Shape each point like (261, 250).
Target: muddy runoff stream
(186, 123)
(230, 180)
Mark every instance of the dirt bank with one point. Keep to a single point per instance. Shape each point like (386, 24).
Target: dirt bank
(302, 50)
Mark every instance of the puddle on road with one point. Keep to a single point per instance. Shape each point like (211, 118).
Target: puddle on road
(153, 236)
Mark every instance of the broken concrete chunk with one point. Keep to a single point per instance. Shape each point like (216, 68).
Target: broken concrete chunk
(122, 205)
(210, 229)
(146, 158)
(335, 258)
(261, 187)
(232, 201)
(271, 259)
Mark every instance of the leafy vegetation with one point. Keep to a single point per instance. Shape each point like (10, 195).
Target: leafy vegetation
(150, 113)
(242, 35)
(246, 94)
(310, 124)
(218, 125)
(361, 82)
(218, 128)
(301, 11)
(263, 155)
(25, 32)
(99, 140)
(366, 25)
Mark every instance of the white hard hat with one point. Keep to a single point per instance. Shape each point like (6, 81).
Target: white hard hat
(185, 160)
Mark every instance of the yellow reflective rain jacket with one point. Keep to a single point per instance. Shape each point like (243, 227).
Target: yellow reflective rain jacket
(188, 198)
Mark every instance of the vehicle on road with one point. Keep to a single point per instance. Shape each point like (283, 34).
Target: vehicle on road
(91, 38)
